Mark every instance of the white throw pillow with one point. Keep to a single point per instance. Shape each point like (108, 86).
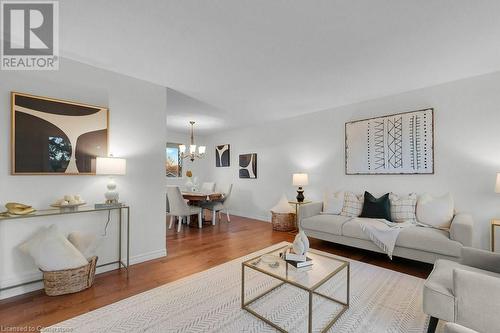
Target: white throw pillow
(353, 205)
(403, 208)
(86, 243)
(283, 206)
(333, 203)
(51, 251)
(436, 212)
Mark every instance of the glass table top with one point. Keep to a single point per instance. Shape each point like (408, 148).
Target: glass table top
(60, 211)
(323, 268)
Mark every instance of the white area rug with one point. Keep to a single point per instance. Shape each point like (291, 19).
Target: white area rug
(210, 301)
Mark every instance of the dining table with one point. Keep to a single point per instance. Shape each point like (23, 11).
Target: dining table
(195, 198)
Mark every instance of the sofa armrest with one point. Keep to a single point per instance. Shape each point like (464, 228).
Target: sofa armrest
(310, 209)
(455, 328)
(486, 260)
(462, 229)
(476, 300)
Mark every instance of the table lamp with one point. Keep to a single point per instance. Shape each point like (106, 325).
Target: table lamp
(300, 179)
(111, 166)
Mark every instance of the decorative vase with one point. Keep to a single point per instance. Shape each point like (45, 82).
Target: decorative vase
(300, 244)
(305, 240)
(189, 184)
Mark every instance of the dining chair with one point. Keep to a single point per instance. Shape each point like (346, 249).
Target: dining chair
(179, 208)
(208, 187)
(219, 206)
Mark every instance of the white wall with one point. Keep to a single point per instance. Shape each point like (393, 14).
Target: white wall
(137, 133)
(467, 152)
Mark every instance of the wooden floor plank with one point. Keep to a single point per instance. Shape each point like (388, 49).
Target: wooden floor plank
(190, 251)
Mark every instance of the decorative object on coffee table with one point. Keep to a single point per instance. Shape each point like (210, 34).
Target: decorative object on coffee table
(300, 179)
(111, 166)
(401, 143)
(301, 244)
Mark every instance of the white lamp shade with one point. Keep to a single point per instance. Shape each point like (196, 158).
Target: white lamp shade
(192, 149)
(202, 149)
(497, 184)
(300, 179)
(182, 148)
(111, 166)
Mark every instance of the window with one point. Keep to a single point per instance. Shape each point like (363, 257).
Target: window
(173, 164)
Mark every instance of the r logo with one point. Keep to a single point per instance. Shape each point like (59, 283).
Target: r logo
(29, 29)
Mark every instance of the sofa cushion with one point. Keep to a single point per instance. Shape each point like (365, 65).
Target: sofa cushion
(439, 299)
(379, 208)
(331, 224)
(430, 240)
(353, 205)
(417, 238)
(436, 212)
(333, 203)
(403, 208)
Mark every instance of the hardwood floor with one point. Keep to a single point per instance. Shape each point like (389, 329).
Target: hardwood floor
(190, 251)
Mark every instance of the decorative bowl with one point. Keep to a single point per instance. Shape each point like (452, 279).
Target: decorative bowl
(55, 205)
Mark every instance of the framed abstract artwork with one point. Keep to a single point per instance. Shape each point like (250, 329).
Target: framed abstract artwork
(56, 137)
(401, 143)
(248, 166)
(222, 156)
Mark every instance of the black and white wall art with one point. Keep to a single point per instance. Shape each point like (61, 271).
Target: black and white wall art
(56, 137)
(248, 166)
(222, 156)
(401, 143)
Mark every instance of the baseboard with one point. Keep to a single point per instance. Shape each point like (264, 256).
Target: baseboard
(251, 216)
(148, 256)
(38, 275)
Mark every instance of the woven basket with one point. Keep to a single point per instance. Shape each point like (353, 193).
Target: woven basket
(69, 281)
(283, 221)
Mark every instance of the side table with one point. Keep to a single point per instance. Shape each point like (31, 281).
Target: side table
(494, 223)
(297, 211)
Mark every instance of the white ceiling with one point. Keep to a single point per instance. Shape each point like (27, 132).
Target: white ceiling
(261, 60)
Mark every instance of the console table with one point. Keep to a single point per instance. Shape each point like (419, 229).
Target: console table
(82, 210)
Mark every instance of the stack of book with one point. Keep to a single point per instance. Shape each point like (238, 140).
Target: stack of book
(297, 260)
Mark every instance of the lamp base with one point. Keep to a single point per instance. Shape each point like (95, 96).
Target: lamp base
(111, 194)
(300, 194)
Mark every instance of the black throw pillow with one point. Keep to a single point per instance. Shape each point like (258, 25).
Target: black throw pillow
(378, 208)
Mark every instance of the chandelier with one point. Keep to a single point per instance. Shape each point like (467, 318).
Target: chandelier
(192, 154)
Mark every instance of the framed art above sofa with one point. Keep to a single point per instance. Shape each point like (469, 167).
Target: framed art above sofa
(401, 143)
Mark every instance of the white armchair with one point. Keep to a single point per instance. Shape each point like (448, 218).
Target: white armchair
(455, 328)
(466, 293)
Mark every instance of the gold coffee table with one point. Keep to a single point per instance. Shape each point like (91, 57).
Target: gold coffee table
(324, 269)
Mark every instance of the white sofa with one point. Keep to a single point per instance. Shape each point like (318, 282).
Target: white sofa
(417, 243)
